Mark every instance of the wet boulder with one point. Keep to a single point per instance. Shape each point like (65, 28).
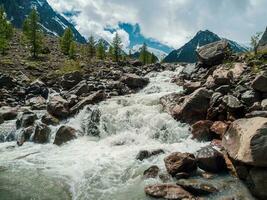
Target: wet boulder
(91, 99)
(169, 101)
(246, 141)
(257, 113)
(8, 113)
(26, 119)
(197, 187)
(194, 107)
(71, 79)
(58, 107)
(25, 135)
(64, 134)
(134, 81)
(180, 162)
(144, 154)
(151, 172)
(49, 120)
(167, 191)
(213, 53)
(210, 159)
(37, 88)
(41, 134)
(260, 83)
(201, 130)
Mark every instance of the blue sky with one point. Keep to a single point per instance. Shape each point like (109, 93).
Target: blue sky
(168, 22)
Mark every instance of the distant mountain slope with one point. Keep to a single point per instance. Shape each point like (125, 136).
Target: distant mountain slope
(263, 40)
(51, 22)
(187, 53)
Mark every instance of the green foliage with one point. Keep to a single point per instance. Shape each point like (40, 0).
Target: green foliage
(66, 40)
(254, 41)
(146, 57)
(117, 45)
(144, 54)
(32, 31)
(69, 66)
(101, 50)
(110, 52)
(6, 31)
(72, 50)
(91, 47)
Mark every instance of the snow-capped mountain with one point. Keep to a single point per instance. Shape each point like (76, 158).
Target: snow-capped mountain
(51, 21)
(187, 53)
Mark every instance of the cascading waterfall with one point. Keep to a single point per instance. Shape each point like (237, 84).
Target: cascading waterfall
(101, 164)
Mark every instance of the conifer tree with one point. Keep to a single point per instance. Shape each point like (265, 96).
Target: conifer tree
(72, 50)
(91, 47)
(100, 50)
(117, 45)
(152, 58)
(130, 53)
(66, 40)
(110, 52)
(144, 54)
(33, 33)
(6, 31)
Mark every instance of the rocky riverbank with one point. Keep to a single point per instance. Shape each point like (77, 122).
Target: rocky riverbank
(224, 101)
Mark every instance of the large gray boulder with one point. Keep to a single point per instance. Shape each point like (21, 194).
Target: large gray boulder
(246, 141)
(213, 53)
(71, 79)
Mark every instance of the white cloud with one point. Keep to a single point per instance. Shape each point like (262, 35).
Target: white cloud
(172, 22)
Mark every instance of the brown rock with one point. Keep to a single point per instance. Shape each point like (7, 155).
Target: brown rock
(180, 162)
(197, 187)
(219, 128)
(211, 160)
(151, 172)
(42, 134)
(201, 130)
(64, 134)
(58, 107)
(194, 107)
(167, 191)
(246, 141)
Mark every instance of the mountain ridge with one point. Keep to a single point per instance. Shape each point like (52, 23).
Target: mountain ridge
(187, 53)
(51, 22)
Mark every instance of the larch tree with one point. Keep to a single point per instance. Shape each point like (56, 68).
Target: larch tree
(72, 50)
(91, 46)
(6, 31)
(101, 50)
(117, 45)
(33, 32)
(66, 40)
(144, 54)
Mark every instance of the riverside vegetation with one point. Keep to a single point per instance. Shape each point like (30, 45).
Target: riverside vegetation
(47, 82)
